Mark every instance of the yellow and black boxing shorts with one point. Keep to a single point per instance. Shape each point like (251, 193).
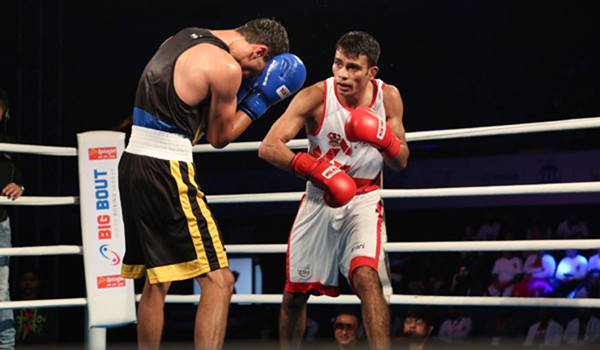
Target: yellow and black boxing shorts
(170, 233)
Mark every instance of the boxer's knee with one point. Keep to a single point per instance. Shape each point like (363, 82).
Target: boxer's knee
(365, 278)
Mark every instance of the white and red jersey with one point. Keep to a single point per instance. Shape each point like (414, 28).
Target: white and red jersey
(359, 160)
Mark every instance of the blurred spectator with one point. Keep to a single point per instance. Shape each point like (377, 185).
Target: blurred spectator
(11, 183)
(418, 326)
(536, 232)
(430, 275)
(570, 272)
(594, 262)
(463, 283)
(490, 228)
(507, 271)
(582, 330)
(36, 328)
(506, 329)
(475, 262)
(538, 270)
(590, 288)
(456, 328)
(347, 329)
(572, 227)
(546, 332)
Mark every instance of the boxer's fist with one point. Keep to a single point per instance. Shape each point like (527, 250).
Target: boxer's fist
(283, 76)
(364, 125)
(338, 187)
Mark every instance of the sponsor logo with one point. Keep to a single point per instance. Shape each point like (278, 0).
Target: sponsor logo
(304, 271)
(357, 247)
(283, 91)
(334, 139)
(329, 172)
(110, 281)
(195, 36)
(102, 153)
(268, 73)
(381, 130)
(110, 255)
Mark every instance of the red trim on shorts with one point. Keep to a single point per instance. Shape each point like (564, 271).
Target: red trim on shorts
(287, 254)
(368, 261)
(314, 288)
(375, 90)
(324, 109)
(367, 185)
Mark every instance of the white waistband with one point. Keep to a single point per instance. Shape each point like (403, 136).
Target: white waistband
(159, 144)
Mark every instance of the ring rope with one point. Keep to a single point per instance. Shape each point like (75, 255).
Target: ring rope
(469, 246)
(561, 125)
(38, 150)
(400, 299)
(42, 250)
(43, 201)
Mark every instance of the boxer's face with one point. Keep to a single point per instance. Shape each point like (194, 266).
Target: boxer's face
(352, 74)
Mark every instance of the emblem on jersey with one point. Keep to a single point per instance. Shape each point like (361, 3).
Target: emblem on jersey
(304, 271)
(334, 139)
(195, 36)
(357, 247)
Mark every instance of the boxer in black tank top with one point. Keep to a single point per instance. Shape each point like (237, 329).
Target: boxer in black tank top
(189, 87)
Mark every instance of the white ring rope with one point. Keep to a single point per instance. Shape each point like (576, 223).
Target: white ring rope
(557, 188)
(399, 299)
(561, 125)
(469, 246)
(43, 201)
(39, 150)
(42, 250)
(7, 305)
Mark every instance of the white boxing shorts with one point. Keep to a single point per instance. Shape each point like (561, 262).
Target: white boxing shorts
(326, 240)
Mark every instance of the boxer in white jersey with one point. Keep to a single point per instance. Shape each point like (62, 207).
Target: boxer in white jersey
(354, 126)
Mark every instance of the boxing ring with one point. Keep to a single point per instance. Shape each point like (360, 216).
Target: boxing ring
(96, 335)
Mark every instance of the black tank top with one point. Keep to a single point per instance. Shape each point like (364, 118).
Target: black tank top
(156, 96)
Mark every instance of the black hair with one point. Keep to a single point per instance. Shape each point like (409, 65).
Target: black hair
(354, 44)
(267, 32)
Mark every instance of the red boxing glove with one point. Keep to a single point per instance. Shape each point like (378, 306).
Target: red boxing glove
(338, 187)
(363, 124)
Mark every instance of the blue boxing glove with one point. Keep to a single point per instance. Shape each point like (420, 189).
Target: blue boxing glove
(245, 89)
(283, 76)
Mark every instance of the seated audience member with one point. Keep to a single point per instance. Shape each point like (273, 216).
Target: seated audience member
(546, 332)
(570, 272)
(507, 271)
(538, 269)
(347, 329)
(456, 328)
(582, 330)
(462, 283)
(537, 229)
(572, 227)
(418, 326)
(490, 228)
(506, 329)
(590, 288)
(34, 326)
(594, 262)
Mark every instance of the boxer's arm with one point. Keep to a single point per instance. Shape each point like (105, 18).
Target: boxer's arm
(225, 123)
(394, 111)
(302, 108)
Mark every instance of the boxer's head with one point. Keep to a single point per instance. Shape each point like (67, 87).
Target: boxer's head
(355, 62)
(266, 38)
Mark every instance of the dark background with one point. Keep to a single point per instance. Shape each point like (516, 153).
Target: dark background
(73, 66)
